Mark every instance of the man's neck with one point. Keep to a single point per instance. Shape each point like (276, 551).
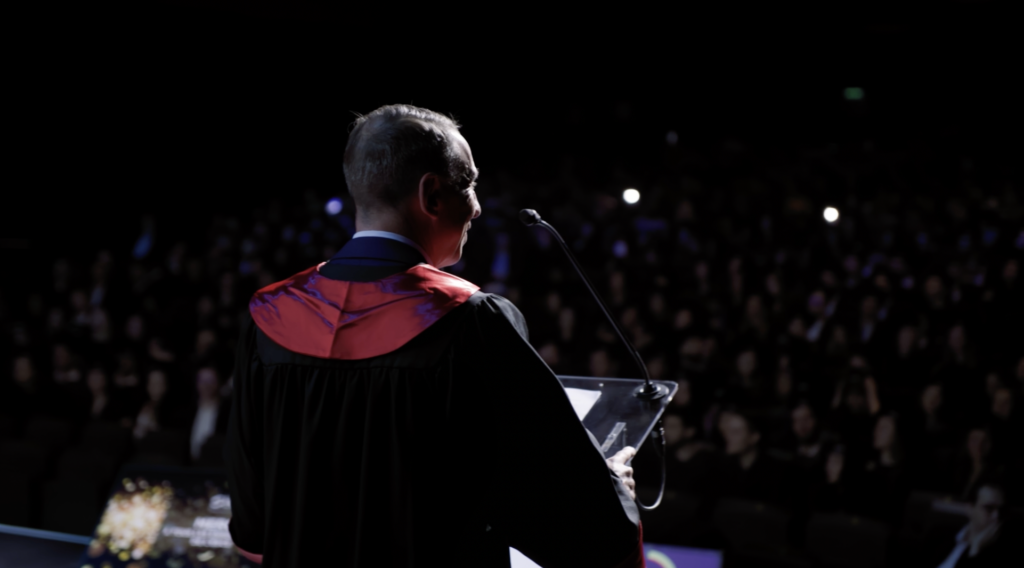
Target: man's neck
(395, 226)
(392, 236)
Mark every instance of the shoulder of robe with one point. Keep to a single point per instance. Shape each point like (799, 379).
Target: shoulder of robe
(493, 312)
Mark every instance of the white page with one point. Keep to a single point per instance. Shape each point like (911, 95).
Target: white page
(519, 560)
(582, 400)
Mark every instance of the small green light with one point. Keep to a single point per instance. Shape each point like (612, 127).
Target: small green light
(853, 93)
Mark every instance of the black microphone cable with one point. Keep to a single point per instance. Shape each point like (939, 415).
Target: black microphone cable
(649, 390)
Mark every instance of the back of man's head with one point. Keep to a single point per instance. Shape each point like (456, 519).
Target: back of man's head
(390, 149)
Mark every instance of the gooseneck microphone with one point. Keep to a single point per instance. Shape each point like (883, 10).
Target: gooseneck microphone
(649, 390)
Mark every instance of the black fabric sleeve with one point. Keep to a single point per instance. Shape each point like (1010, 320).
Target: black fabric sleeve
(550, 492)
(243, 447)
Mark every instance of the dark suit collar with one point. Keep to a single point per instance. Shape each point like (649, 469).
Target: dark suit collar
(371, 258)
(377, 249)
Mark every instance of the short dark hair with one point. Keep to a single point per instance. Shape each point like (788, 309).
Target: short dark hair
(390, 149)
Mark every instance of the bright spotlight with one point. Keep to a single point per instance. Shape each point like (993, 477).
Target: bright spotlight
(333, 206)
(631, 196)
(831, 214)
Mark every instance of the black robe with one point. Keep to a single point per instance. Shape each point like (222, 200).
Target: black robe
(444, 452)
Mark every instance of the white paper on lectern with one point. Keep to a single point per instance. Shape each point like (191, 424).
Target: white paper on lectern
(519, 560)
(582, 400)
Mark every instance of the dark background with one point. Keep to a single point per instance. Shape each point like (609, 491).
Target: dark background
(183, 109)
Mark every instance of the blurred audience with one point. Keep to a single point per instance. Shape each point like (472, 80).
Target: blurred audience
(822, 366)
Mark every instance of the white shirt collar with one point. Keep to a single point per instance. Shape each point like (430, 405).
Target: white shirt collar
(394, 237)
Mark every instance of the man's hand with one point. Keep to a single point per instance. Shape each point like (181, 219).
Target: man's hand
(617, 464)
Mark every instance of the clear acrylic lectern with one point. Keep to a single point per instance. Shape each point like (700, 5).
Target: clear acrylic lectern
(609, 410)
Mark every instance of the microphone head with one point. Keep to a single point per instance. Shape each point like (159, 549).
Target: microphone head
(529, 217)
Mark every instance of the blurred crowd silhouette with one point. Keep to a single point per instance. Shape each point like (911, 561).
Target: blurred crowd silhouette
(861, 377)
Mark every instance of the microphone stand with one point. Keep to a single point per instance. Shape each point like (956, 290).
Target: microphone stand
(648, 391)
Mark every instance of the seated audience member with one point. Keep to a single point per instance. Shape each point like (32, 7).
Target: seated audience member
(747, 384)
(210, 413)
(853, 408)
(685, 403)
(25, 396)
(783, 395)
(974, 467)
(984, 542)
(980, 405)
(884, 484)
(930, 438)
(755, 325)
(957, 370)
(135, 334)
(155, 413)
(206, 345)
(906, 369)
(689, 461)
(832, 492)
(600, 364)
(127, 374)
(1006, 428)
(683, 399)
(695, 361)
(868, 326)
(549, 352)
(810, 447)
(932, 421)
(837, 348)
(127, 395)
(806, 441)
(745, 471)
(65, 368)
(100, 405)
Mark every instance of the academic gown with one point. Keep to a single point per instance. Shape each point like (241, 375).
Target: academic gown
(386, 413)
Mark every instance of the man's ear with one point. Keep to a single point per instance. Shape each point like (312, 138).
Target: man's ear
(430, 194)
